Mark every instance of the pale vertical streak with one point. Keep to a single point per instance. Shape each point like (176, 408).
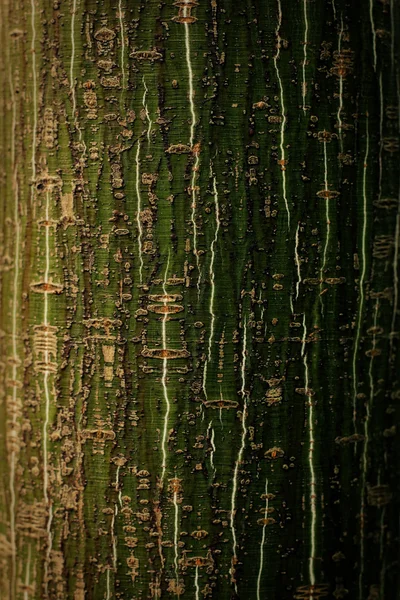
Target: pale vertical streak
(291, 304)
(364, 462)
(212, 280)
(190, 74)
(71, 76)
(33, 168)
(15, 358)
(240, 453)
(283, 123)
(113, 536)
(205, 379)
(139, 209)
(28, 573)
(373, 31)
(260, 570)
(262, 308)
(380, 135)
(297, 260)
(191, 141)
(395, 278)
(46, 280)
(47, 405)
(47, 268)
(312, 496)
(304, 85)
(193, 215)
(339, 113)
(71, 68)
(164, 381)
(146, 110)
(119, 489)
(220, 410)
(108, 585)
(114, 539)
(362, 278)
(48, 551)
(396, 257)
(212, 437)
(46, 357)
(212, 274)
(196, 583)
(34, 86)
(176, 522)
(121, 26)
(328, 224)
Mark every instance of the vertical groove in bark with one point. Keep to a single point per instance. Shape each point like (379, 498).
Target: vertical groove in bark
(199, 282)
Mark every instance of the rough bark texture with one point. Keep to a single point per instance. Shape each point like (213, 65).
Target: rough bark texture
(200, 305)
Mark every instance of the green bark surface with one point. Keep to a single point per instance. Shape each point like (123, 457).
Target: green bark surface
(199, 330)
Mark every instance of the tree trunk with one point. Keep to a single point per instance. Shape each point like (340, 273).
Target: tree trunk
(200, 227)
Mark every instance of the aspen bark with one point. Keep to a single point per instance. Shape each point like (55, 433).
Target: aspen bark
(199, 281)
